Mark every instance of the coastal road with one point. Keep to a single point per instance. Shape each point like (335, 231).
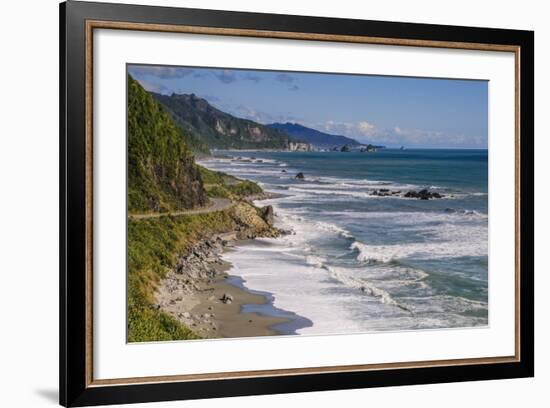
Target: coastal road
(215, 204)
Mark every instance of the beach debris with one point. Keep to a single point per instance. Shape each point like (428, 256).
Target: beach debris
(227, 298)
(300, 176)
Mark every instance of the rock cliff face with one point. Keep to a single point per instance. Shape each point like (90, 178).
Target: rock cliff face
(162, 175)
(218, 129)
(299, 147)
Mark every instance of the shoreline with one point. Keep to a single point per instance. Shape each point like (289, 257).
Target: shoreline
(201, 294)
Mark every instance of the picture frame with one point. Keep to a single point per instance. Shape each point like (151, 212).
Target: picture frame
(79, 20)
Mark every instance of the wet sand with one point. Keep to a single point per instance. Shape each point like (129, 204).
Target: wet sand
(222, 307)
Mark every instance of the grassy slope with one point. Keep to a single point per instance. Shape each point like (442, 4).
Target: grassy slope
(219, 184)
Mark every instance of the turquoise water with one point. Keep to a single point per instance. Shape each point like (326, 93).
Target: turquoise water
(357, 262)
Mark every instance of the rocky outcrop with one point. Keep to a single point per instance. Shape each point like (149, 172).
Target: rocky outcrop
(251, 223)
(424, 194)
(300, 176)
(384, 192)
(267, 214)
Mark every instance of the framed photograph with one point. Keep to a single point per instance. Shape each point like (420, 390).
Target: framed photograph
(256, 204)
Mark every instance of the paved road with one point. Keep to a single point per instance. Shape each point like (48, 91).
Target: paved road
(216, 204)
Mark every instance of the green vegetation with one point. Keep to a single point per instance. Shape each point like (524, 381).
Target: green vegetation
(219, 184)
(217, 129)
(162, 175)
(153, 247)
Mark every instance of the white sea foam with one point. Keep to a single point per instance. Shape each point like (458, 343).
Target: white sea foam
(423, 250)
(354, 286)
(364, 286)
(317, 261)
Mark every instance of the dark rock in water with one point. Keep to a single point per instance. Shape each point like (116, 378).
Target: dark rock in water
(383, 192)
(423, 194)
(345, 149)
(227, 298)
(267, 214)
(300, 176)
(283, 171)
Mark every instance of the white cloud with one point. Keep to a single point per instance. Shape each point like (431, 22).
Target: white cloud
(367, 132)
(247, 112)
(160, 71)
(352, 129)
(366, 128)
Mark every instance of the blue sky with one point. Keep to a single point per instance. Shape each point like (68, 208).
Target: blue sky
(394, 111)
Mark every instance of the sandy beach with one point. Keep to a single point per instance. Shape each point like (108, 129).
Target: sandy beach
(213, 304)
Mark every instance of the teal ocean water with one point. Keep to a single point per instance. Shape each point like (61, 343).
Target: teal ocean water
(357, 262)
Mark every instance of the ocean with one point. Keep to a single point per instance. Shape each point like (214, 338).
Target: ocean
(356, 262)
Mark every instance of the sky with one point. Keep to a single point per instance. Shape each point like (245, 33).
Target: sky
(392, 111)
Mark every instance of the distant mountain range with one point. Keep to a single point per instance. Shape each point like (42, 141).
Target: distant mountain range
(209, 127)
(312, 136)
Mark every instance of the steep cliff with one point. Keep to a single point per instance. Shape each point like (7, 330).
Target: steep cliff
(219, 129)
(162, 175)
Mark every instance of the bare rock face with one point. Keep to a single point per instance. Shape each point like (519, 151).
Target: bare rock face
(253, 222)
(248, 217)
(267, 214)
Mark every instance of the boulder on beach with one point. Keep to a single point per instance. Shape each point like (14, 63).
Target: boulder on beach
(300, 176)
(226, 298)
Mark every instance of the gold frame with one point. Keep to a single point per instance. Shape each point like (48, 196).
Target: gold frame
(99, 24)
